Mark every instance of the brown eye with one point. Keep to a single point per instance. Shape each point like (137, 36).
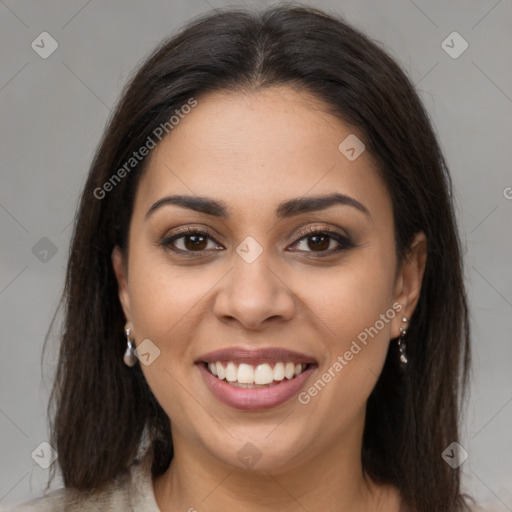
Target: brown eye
(319, 242)
(190, 241)
(324, 242)
(195, 242)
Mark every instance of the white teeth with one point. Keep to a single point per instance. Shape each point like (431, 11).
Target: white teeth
(263, 374)
(231, 373)
(279, 371)
(221, 372)
(246, 375)
(289, 370)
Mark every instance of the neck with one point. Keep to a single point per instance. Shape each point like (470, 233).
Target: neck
(331, 480)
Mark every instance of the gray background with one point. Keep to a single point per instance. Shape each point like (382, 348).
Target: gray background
(53, 112)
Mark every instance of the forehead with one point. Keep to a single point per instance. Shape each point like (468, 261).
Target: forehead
(258, 149)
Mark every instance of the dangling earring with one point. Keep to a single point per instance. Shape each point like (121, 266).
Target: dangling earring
(129, 355)
(401, 342)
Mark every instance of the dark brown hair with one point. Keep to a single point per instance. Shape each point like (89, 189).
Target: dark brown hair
(100, 408)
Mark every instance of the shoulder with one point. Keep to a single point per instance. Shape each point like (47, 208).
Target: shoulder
(115, 497)
(132, 491)
(49, 502)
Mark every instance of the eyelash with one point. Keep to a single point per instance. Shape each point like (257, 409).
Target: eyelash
(345, 243)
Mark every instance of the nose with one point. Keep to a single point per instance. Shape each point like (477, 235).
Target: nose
(253, 294)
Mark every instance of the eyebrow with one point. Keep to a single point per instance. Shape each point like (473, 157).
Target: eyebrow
(285, 209)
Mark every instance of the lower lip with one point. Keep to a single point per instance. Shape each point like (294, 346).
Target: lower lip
(254, 398)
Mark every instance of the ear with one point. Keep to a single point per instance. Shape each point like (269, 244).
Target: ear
(121, 271)
(409, 279)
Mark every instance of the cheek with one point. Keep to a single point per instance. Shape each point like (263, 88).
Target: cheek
(165, 302)
(355, 309)
(352, 297)
(163, 297)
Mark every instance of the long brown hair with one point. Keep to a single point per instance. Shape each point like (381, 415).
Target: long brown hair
(100, 409)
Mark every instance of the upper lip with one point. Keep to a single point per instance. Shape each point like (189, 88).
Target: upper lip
(255, 356)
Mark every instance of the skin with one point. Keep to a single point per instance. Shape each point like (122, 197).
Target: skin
(259, 149)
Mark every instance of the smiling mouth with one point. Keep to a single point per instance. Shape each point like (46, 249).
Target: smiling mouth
(264, 375)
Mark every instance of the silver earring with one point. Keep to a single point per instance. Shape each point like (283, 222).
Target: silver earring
(401, 342)
(129, 355)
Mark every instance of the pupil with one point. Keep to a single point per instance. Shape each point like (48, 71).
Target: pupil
(321, 245)
(197, 241)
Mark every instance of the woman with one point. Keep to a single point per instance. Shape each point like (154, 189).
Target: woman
(269, 222)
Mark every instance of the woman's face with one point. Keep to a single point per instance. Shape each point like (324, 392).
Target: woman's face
(254, 292)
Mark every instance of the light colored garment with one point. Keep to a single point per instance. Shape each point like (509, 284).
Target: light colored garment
(131, 492)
